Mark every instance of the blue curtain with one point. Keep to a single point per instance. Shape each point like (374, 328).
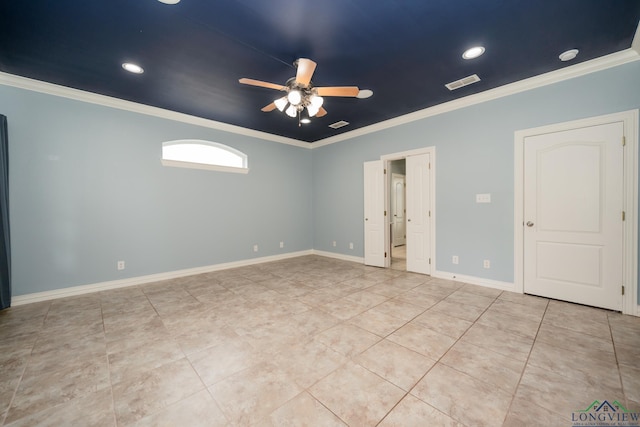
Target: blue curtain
(5, 247)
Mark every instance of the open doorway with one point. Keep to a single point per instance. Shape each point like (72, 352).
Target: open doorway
(397, 209)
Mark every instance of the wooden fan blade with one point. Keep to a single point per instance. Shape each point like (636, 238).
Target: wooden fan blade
(260, 83)
(338, 91)
(269, 107)
(322, 112)
(306, 67)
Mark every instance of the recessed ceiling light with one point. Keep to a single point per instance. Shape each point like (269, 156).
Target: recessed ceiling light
(132, 68)
(305, 120)
(568, 55)
(473, 52)
(364, 93)
(169, 1)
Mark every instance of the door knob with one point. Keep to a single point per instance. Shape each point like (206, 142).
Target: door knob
(366, 219)
(529, 224)
(409, 220)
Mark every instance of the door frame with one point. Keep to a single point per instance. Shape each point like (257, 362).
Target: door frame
(386, 159)
(630, 202)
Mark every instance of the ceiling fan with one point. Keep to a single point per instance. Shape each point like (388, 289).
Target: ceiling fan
(301, 94)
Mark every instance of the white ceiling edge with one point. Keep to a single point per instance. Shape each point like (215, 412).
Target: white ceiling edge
(108, 101)
(612, 60)
(635, 44)
(587, 67)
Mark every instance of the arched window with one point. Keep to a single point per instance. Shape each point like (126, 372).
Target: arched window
(198, 154)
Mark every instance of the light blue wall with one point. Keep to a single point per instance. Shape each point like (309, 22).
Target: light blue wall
(87, 189)
(474, 154)
(399, 166)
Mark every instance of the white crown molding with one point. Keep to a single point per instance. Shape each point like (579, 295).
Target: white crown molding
(108, 101)
(142, 280)
(615, 59)
(584, 68)
(635, 44)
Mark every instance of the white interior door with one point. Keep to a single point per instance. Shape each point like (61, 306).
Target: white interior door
(573, 201)
(397, 209)
(417, 205)
(374, 226)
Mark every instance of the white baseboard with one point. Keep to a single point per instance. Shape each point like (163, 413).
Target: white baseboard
(505, 286)
(141, 280)
(488, 283)
(339, 256)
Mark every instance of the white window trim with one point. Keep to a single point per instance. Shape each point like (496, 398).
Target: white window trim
(205, 166)
(190, 165)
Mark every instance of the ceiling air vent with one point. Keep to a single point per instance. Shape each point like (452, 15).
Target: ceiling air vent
(463, 82)
(338, 125)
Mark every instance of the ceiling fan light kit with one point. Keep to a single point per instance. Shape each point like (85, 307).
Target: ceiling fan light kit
(301, 94)
(281, 103)
(292, 111)
(294, 97)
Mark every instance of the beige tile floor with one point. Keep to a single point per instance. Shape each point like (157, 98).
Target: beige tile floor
(312, 341)
(399, 257)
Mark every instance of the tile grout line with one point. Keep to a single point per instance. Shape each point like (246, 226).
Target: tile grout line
(205, 387)
(615, 353)
(52, 312)
(526, 363)
(346, 322)
(15, 391)
(304, 389)
(449, 349)
(113, 400)
(440, 358)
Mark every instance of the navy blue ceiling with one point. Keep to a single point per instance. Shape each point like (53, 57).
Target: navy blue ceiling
(405, 51)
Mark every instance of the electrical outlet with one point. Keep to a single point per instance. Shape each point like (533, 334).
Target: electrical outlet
(282, 244)
(351, 245)
(255, 248)
(483, 198)
(455, 259)
(334, 243)
(120, 265)
(487, 263)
